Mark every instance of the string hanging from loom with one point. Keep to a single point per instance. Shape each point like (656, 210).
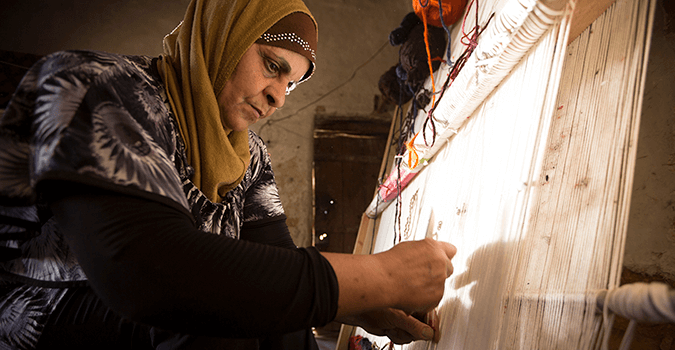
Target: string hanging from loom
(437, 14)
(425, 10)
(426, 46)
(431, 13)
(470, 40)
(449, 10)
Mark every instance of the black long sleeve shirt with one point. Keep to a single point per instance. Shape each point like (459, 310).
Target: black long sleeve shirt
(147, 261)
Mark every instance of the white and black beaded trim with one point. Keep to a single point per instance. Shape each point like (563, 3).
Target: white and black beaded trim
(292, 37)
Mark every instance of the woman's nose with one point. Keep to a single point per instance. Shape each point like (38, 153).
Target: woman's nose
(276, 94)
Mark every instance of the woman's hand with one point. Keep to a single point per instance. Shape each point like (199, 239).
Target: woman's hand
(400, 327)
(409, 277)
(420, 269)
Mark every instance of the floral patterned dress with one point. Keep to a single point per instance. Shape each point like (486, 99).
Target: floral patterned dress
(98, 119)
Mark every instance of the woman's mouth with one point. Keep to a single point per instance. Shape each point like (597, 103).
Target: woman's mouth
(258, 112)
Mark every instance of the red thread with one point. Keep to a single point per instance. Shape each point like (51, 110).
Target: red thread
(469, 39)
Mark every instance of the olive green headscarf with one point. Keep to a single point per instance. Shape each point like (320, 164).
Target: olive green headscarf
(199, 57)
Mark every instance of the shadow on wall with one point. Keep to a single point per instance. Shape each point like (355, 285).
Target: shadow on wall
(13, 66)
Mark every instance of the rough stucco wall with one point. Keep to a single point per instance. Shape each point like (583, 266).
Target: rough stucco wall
(127, 27)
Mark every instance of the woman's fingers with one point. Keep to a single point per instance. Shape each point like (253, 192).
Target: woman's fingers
(398, 326)
(419, 269)
(414, 328)
(411, 277)
(450, 251)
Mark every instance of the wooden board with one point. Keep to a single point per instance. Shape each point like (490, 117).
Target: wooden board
(585, 13)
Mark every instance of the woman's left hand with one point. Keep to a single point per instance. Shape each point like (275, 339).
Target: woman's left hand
(400, 327)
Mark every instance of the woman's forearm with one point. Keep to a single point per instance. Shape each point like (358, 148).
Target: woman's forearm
(363, 283)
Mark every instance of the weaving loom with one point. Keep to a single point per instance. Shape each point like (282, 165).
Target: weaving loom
(527, 167)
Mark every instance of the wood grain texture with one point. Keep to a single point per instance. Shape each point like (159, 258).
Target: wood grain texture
(585, 13)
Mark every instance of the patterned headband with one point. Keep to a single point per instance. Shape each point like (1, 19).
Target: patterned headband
(295, 32)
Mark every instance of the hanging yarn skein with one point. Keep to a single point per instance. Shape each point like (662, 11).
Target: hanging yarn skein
(431, 12)
(451, 9)
(437, 14)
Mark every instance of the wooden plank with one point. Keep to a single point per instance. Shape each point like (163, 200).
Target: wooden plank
(585, 13)
(364, 236)
(346, 331)
(388, 148)
(362, 246)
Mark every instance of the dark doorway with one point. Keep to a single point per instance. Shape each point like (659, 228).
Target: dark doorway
(347, 158)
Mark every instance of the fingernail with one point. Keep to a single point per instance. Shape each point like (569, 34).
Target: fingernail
(428, 333)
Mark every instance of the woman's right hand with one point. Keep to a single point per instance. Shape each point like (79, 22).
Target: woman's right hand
(410, 277)
(419, 270)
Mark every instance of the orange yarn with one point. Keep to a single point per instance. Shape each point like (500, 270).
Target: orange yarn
(413, 157)
(452, 11)
(431, 70)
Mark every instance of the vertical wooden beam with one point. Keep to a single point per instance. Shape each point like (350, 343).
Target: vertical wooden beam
(365, 235)
(362, 246)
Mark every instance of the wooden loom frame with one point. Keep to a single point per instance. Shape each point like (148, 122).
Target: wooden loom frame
(586, 12)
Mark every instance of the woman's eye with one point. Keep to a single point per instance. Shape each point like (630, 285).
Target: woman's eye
(272, 66)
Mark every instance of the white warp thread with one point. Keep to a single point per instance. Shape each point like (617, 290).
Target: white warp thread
(518, 27)
(534, 191)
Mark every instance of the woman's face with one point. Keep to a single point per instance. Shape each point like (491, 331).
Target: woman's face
(258, 85)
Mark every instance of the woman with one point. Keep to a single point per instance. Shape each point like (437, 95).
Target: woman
(148, 216)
